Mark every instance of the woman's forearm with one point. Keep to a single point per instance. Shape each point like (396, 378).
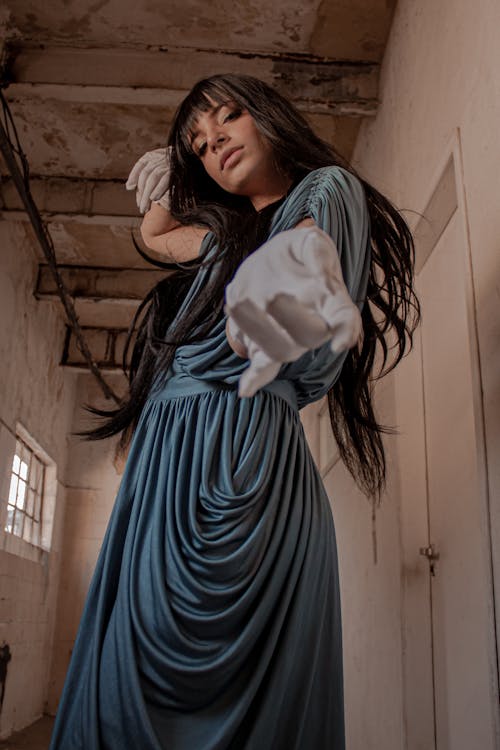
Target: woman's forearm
(163, 234)
(157, 221)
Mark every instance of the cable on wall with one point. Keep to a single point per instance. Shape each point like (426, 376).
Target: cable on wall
(9, 151)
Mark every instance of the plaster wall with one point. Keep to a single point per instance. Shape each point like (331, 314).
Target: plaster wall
(439, 86)
(441, 73)
(93, 480)
(37, 393)
(369, 562)
(439, 82)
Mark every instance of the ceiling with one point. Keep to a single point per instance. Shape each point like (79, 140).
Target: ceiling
(93, 84)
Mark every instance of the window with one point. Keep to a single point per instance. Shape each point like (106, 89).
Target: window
(28, 495)
(25, 500)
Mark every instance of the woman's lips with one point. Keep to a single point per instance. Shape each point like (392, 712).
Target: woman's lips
(226, 161)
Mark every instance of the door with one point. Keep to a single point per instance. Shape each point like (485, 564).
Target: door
(460, 593)
(449, 659)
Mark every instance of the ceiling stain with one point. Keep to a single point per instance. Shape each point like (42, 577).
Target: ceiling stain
(265, 26)
(347, 25)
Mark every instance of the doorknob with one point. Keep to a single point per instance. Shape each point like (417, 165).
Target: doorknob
(430, 553)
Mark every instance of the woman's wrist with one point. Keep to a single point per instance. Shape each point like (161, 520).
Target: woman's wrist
(158, 220)
(237, 347)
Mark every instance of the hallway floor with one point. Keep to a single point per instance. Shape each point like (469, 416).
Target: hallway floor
(34, 737)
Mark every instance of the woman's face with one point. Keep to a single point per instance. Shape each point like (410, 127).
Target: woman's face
(235, 154)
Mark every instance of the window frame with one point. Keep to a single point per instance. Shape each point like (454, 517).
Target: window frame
(9, 541)
(31, 510)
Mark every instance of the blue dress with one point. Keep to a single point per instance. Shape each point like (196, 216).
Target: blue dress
(213, 617)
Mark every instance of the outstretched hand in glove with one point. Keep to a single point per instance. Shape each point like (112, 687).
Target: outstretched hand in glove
(286, 298)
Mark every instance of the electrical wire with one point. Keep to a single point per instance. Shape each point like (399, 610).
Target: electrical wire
(12, 152)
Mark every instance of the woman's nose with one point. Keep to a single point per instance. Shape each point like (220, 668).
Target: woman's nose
(216, 140)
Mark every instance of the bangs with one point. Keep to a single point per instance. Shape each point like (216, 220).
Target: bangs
(201, 99)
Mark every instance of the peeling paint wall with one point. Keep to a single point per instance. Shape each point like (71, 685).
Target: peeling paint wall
(255, 24)
(39, 394)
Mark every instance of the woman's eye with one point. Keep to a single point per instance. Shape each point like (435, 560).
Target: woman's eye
(201, 149)
(232, 115)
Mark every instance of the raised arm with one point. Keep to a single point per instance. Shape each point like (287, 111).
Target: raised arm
(286, 298)
(150, 177)
(161, 233)
(237, 345)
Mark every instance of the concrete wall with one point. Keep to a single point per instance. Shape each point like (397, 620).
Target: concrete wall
(440, 73)
(439, 79)
(369, 565)
(37, 393)
(93, 479)
(439, 82)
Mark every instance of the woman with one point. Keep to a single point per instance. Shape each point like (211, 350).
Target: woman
(213, 618)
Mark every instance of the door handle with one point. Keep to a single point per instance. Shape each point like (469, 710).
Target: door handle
(431, 554)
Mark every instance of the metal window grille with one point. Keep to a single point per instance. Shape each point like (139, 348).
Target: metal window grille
(24, 506)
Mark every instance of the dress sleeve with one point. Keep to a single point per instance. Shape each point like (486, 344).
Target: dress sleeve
(335, 200)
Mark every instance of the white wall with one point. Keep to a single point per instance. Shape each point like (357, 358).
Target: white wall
(37, 393)
(93, 479)
(369, 564)
(441, 73)
(440, 80)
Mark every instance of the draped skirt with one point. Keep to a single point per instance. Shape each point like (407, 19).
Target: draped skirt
(213, 617)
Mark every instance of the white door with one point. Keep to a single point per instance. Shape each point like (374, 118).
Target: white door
(448, 608)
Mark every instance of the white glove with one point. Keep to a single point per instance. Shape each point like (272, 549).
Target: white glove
(149, 177)
(288, 297)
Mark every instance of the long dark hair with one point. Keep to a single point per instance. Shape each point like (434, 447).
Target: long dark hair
(231, 219)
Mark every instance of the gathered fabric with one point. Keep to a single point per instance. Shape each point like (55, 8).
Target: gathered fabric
(213, 618)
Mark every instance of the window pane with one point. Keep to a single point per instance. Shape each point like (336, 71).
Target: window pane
(21, 493)
(31, 502)
(13, 490)
(27, 529)
(23, 470)
(35, 533)
(18, 524)
(15, 464)
(10, 518)
(36, 514)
